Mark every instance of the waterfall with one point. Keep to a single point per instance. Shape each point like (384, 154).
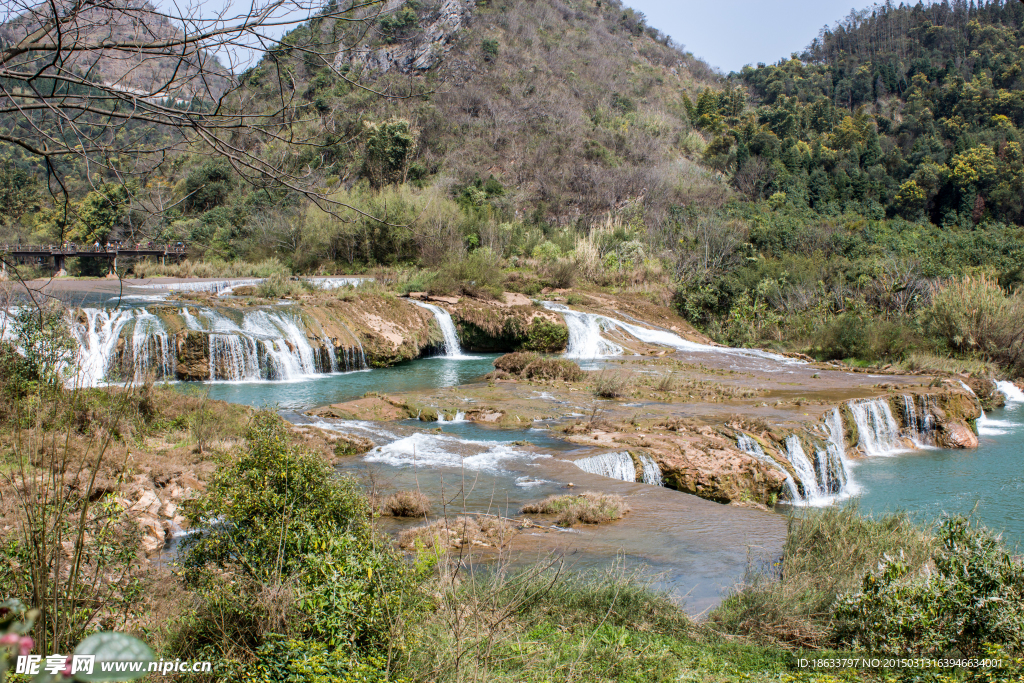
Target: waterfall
(651, 471)
(1010, 390)
(257, 345)
(444, 321)
(459, 417)
(233, 358)
(876, 428)
(621, 466)
(813, 493)
(833, 468)
(97, 341)
(751, 447)
(349, 353)
(152, 348)
(585, 340)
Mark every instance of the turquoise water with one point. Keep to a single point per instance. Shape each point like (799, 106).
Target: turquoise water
(310, 392)
(931, 483)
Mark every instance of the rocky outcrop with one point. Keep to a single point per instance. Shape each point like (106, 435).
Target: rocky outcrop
(193, 356)
(419, 52)
(511, 325)
(698, 461)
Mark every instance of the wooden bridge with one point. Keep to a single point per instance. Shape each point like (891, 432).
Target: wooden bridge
(111, 252)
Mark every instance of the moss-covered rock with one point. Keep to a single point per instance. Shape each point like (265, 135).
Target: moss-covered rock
(193, 356)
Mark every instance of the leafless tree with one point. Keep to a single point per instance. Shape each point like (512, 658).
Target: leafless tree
(117, 87)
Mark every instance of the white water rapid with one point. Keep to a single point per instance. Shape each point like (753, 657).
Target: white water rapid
(621, 466)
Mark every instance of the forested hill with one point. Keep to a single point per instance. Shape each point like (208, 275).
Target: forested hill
(914, 111)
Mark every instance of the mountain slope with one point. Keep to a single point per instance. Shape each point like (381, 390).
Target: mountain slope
(574, 107)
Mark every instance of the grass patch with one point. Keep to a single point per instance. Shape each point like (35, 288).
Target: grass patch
(481, 530)
(587, 507)
(612, 385)
(405, 504)
(529, 365)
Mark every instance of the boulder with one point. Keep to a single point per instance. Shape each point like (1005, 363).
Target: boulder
(956, 435)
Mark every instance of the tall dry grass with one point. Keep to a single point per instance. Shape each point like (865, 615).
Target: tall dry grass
(975, 315)
(215, 268)
(788, 600)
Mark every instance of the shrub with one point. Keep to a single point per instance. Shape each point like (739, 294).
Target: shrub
(277, 286)
(546, 336)
(790, 599)
(587, 507)
(560, 273)
(529, 365)
(479, 530)
(284, 543)
(974, 598)
(208, 186)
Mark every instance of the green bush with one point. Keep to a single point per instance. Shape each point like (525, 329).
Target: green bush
(284, 543)
(546, 336)
(790, 599)
(974, 598)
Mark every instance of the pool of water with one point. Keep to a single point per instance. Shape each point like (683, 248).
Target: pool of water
(931, 483)
(692, 548)
(310, 392)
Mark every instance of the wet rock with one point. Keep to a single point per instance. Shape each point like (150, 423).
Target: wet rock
(956, 435)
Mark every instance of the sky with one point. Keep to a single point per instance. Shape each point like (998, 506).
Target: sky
(731, 33)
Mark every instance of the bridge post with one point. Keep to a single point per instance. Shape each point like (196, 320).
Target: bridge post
(58, 264)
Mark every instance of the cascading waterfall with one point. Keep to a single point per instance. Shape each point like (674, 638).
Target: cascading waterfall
(97, 339)
(262, 345)
(349, 354)
(621, 466)
(832, 468)
(586, 342)
(1011, 391)
(878, 433)
(751, 447)
(452, 349)
(457, 418)
(813, 493)
(152, 348)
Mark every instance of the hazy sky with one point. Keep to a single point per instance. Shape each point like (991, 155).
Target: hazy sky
(731, 33)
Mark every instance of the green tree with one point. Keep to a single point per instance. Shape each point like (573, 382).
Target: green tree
(389, 148)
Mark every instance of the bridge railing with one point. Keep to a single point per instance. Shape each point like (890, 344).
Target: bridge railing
(70, 249)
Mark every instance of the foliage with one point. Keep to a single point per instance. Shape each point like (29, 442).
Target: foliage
(973, 599)
(278, 516)
(208, 186)
(389, 147)
(546, 336)
(916, 109)
(976, 315)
